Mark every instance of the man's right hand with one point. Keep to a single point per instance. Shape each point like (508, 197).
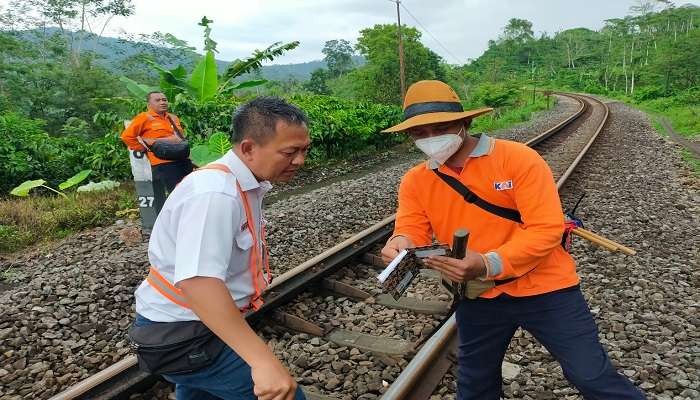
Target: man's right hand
(211, 300)
(394, 246)
(272, 381)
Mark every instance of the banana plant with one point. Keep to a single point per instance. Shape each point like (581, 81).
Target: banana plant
(217, 145)
(203, 83)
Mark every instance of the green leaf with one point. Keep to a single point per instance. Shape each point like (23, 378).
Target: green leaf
(75, 179)
(136, 89)
(254, 62)
(202, 155)
(172, 81)
(249, 84)
(23, 189)
(219, 143)
(203, 79)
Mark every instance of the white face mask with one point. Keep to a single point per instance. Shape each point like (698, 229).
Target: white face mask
(440, 148)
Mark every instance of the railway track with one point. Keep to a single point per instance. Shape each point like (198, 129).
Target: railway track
(325, 278)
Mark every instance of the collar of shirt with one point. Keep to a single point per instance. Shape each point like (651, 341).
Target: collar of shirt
(243, 174)
(155, 114)
(483, 148)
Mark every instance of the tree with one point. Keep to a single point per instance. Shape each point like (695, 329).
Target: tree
(519, 30)
(677, 66)
(39, 80)
(378, 80)
(75, 18)
(338, 56)
(200, 95)
(318, 82)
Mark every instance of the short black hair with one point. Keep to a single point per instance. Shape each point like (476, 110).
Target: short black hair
(258, 118)
(148, 96)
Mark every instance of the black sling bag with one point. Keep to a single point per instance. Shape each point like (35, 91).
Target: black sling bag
(173, 148)
(472, 198)
(175, 347)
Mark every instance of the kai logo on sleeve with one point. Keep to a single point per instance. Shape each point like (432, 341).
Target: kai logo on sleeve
(504, 185)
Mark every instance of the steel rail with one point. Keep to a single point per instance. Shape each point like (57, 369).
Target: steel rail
(558, 127)
(118, 380)
(562, 179)
(403, 386)
(122, 378)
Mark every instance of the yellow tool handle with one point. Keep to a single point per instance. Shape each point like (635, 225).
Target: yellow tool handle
(602, 241)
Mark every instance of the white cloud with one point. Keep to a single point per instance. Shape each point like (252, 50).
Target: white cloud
(463, 27)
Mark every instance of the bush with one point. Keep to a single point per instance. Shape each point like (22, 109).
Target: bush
(495, 95)
(28, 152)
(338, 128)
(343, 127)
(648, 93)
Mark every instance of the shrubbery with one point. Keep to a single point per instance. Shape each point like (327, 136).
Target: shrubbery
(27, 151)
(342, 127)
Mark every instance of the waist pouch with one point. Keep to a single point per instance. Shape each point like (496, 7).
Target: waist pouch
(175, 347)
(170, 150)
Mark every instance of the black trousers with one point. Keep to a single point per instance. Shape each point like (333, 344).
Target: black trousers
(560, 320)
(171, 173)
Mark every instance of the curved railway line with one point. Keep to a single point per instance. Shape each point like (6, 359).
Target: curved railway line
(562, 146)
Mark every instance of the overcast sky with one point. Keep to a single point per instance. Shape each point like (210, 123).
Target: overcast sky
(456, 30)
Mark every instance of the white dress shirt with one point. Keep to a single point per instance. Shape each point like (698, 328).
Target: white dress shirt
(202, 231)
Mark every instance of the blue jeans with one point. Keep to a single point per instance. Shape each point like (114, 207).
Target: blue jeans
(561, 321)
(228, 378)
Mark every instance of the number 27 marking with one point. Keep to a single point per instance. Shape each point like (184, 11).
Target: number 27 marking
(145, 201)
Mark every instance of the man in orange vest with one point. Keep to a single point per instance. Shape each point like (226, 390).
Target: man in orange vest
(504, 194)
(158, 123)
(209, 265)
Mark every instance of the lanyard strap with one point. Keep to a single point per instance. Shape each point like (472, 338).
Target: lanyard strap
(256, 263)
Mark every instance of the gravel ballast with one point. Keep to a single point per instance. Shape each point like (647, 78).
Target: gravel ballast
(67, 314)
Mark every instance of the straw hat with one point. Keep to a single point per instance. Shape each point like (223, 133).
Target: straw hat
(430, 102)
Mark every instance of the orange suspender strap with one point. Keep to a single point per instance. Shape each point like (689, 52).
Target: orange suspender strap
(256, 263)
(172, 293)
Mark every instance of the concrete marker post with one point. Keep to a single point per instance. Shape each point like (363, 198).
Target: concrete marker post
(150, 196)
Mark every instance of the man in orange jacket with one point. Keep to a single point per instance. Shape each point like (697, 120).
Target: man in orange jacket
(157, 123)
(515, 220)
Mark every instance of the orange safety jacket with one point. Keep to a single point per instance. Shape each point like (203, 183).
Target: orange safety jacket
(509, 175)
(256, 263)
(149, 125)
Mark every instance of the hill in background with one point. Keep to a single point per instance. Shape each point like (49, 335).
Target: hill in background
(113, 53)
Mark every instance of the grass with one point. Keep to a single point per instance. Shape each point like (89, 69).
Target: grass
(693, 161)
(25, 221)
(509, 116)
(685, 119)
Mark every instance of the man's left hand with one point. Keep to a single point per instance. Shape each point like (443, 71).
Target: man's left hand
(470, 267)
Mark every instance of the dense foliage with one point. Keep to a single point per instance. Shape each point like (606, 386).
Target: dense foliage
(338, 128)
(644, 56)
(377, 80)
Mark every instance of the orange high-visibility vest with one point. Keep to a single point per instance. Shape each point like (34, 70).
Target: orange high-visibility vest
(256, 263)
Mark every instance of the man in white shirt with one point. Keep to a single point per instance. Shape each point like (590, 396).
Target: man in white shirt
(209, 257)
